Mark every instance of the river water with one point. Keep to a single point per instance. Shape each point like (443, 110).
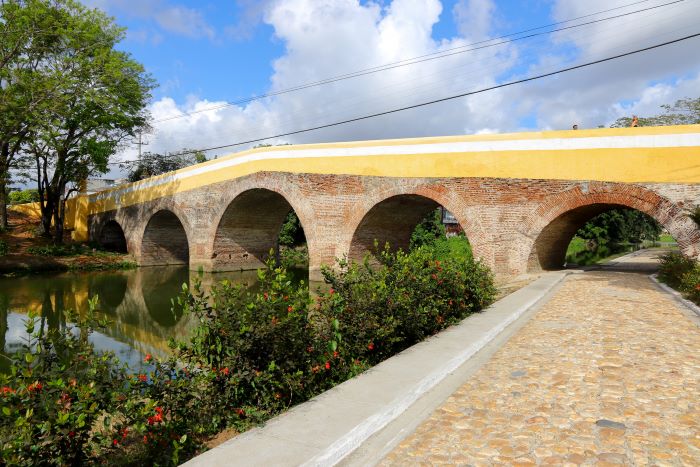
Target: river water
(137, 303)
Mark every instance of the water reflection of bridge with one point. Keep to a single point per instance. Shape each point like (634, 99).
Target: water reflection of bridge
(139, 303)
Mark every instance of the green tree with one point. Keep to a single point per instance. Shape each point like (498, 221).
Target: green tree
(152, 164)
(29, 30)
(620, 226)
(428, 230)
(684, 111)
(292, 232)
(99, 99)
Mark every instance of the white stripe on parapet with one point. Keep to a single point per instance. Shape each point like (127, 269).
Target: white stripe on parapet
(552, 144)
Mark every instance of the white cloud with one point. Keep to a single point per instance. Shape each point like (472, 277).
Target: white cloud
(325, 38)
(173, 18)
(474, 17)
(184, 21)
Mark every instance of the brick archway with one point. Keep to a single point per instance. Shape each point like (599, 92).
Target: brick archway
(112, 237)
(391, 215)
(248, 228)
(553, 224)
(165, 240)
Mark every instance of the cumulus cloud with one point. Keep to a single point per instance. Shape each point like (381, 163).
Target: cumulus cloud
(325, 38)
(184, 21)
(172, 18)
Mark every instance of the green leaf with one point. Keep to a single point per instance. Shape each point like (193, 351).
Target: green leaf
(6, 411)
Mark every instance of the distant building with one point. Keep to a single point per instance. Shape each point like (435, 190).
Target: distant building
(93, 185)
(451, 223)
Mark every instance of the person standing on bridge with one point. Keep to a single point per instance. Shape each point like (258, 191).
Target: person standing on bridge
(635, 121)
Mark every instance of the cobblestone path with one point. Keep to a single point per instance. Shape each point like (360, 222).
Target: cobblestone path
(606, 372)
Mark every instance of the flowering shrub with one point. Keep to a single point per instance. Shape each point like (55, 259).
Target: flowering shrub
(383, 310)
(253, 354)
(681, 273)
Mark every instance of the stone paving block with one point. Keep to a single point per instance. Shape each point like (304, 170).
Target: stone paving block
(606, 373)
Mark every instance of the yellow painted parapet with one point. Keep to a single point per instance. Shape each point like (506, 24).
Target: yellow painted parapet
(631, 155)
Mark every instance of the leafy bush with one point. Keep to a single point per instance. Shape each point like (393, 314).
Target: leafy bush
(55, 398)
(253, 354)
(428, 230)
(4, 248)
(383, 310)
(681, 273)
(23, 196)
(291, 233)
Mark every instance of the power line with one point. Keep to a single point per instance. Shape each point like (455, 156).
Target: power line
(456, 96)
(432, 56)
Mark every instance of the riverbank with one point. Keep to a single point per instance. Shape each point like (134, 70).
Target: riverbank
(27, 252)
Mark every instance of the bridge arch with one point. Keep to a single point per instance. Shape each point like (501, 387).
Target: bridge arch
(391, 215)
(112, 237)
(249, 227)
(553, 224)
(165, 240)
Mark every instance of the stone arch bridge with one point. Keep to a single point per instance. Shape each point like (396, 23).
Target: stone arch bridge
(519, 197)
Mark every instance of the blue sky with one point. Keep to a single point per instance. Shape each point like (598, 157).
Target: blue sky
(204, 54)
(238, 62)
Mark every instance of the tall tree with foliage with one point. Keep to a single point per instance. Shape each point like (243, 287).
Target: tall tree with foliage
(152, 164)
(28, 32)
(620, 226)
(100, 103)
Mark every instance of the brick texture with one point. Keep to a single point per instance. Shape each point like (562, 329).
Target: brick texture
(514, 225)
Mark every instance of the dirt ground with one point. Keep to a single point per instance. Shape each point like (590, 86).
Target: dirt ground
(21, 236)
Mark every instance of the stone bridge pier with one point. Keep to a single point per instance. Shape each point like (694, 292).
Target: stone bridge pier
(519, 198)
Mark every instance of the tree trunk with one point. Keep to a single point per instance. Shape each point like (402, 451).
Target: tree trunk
(4, 177)
(3, 203)
(58, 221)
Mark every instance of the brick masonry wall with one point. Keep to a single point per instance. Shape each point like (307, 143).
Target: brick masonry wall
(514, 225)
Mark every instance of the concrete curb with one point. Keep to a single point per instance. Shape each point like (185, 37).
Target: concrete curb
(676, 294)
(325, 429)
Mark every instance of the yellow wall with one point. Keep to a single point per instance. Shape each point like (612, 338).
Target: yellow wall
(617, 163)
(30, 209)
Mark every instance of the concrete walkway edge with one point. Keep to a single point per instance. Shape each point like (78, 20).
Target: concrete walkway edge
(676, 294)
(325, 429)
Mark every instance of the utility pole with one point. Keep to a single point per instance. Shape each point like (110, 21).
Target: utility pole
(140, 143)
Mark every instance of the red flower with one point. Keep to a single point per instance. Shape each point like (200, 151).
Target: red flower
(145, 439)
(143, 377)
(225, 371)
(335, 354)
(370, 346)
(148, 358)
(331, 291)
(125, 431)
(434, 276)
(240, 412)
(265, 296)
(290, 309)
(36, 386)
(328, 365)
(115, 442)
(7, 390)
(71, 434)
(158, 410)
